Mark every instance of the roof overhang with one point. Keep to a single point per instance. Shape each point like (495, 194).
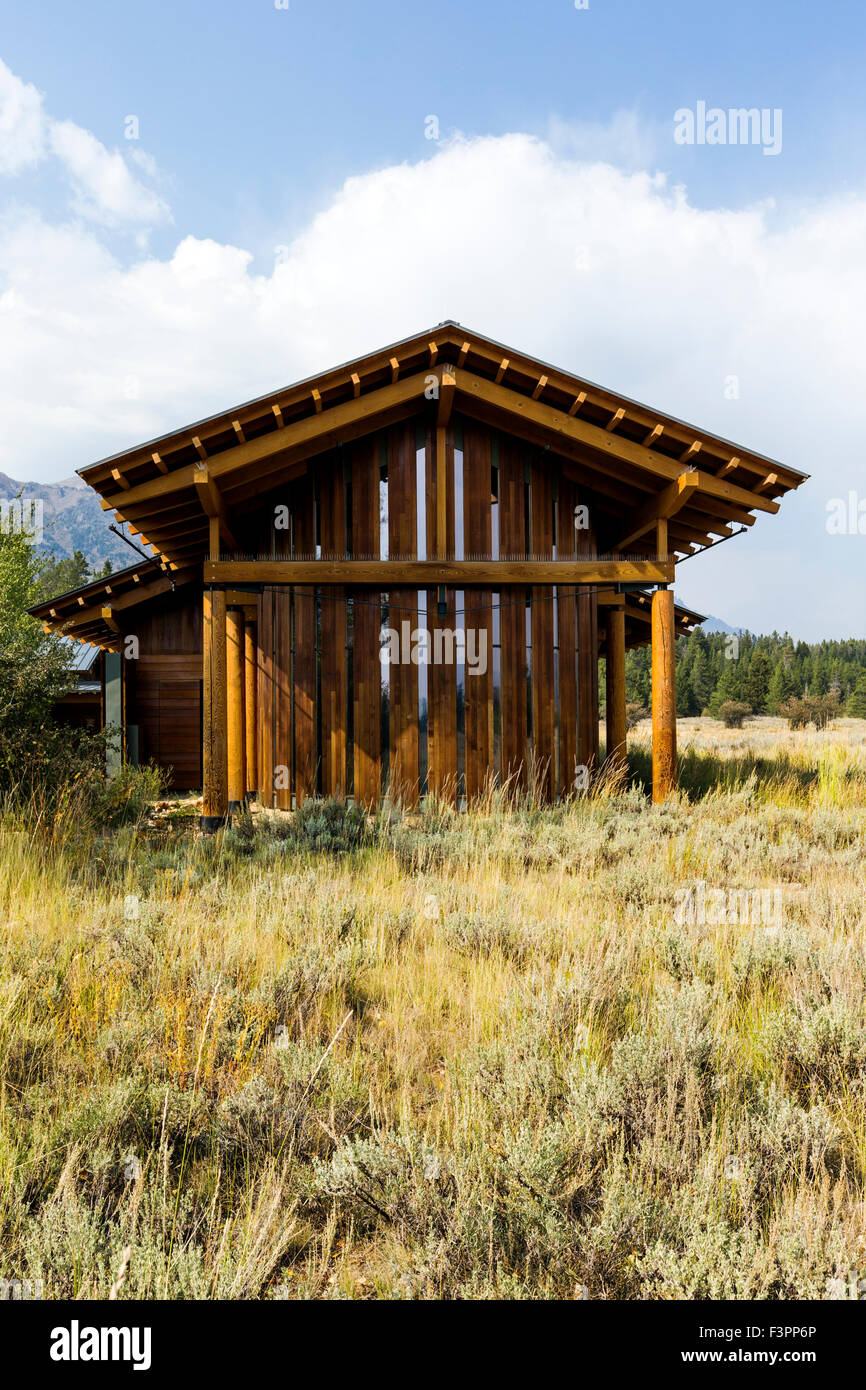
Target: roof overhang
(93, 613)
(639, 464)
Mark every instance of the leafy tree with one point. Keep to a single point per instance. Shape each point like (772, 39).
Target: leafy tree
(33, 667)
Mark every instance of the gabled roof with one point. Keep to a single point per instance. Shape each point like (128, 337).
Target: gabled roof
(626, 454)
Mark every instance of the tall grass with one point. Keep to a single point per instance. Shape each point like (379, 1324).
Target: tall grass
(471, 1056)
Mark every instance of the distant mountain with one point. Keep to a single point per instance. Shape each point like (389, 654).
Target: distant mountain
(72, 520)
(717, 625)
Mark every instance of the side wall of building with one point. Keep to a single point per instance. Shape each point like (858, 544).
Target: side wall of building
(163, 683)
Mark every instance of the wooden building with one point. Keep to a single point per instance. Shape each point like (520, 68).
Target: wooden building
(400, 576)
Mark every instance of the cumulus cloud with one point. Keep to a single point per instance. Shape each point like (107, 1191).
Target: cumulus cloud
(742, 320)
(104, 189)
(22, 123)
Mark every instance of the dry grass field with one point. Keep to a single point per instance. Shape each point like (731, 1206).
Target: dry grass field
(598, 1050)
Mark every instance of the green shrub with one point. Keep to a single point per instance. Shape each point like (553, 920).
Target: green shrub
(328, 825)
(800, 711)
(733, 713)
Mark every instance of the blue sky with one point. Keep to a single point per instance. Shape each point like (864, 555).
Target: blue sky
(281, 209)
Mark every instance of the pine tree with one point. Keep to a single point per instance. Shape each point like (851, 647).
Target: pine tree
(701, 682)
(857, 702)
(781, 687)
(757, 682)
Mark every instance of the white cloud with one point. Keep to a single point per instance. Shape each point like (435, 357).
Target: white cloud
(103, 187)
(628, 140)
(612, 275)
(22, 123)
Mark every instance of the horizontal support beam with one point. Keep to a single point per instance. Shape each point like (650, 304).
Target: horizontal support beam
(419, 574)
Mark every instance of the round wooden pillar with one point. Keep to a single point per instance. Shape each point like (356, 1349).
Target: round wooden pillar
(214, 769)
(664, 697)
(615, 687)
(251, 708)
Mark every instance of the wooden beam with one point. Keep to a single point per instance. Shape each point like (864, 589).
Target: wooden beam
(614, 420)
(539, 385)
(577, 403)
(235, 720)
(120, 479)
(239, 431)
(160, 463)
(278, 416)
(109, 619)
(441, 490)
(214, 711)
(424, 574)
(664, 698)
(711, 506)
(665, 504)
(447, 386)
(501, 370)
(214, 508)
(688, 455)
(769, 483)
(299, 440)
(655, 434)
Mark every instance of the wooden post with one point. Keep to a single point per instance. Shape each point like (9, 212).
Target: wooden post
(250, 708)
(615, 684)
(664, 699)
(587, 661)
(235, 677)
(214, 717)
